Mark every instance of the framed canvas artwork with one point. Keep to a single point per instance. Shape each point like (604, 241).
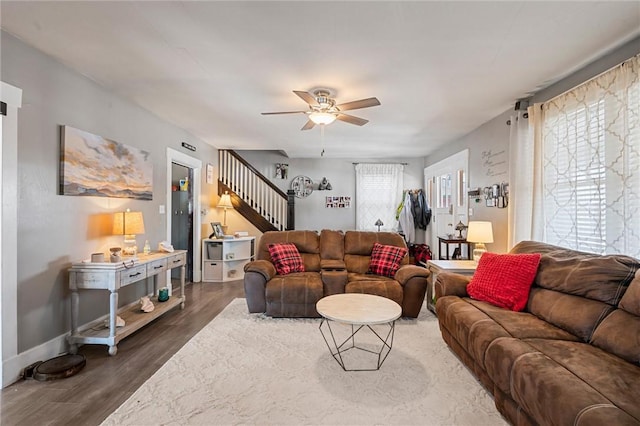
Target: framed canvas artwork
(91, 165)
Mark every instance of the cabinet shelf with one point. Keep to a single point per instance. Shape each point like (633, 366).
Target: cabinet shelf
(224, 260)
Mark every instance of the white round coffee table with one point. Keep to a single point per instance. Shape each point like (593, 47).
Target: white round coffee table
(361, 312)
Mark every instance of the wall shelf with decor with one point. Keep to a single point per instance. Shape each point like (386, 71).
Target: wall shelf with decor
(224, 259)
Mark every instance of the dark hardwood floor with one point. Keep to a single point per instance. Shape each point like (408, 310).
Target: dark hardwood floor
(106, 382)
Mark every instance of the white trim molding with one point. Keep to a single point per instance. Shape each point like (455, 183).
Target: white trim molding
(178, 157)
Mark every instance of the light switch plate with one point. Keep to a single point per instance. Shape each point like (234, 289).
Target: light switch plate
(161, 209)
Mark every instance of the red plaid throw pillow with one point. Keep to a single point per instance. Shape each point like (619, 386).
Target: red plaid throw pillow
(504, 280)
(385, 260)
(286, 258)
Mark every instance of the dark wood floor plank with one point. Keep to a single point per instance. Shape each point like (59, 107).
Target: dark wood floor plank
(106, 382)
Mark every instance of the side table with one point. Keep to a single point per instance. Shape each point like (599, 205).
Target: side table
(463, 267)
(459, 242)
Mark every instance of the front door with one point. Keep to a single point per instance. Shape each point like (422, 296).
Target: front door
(446, 185)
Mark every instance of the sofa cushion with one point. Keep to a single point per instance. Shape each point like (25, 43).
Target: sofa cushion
(286, 258)
(307, 243)
(631, 300)
(359, 244)
(603, 278)
(385, 260)
(537, 373)
(578, 315)
(388, 288)
(294, 295)
(331, 245)
(619, 333)
(504, 279)
(596, 379)
(476, 324)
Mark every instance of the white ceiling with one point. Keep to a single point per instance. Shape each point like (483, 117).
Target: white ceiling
(440, 69)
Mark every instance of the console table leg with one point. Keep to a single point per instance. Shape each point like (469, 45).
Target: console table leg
(113, 315)
(183, 272)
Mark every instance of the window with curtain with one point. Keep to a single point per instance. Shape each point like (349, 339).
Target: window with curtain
(591, 164)
(378, 194)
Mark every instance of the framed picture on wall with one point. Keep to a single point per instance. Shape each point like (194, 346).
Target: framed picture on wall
(282, 171)
(91, 165)
(209, 173)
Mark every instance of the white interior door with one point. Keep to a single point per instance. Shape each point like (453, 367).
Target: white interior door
(446, 185)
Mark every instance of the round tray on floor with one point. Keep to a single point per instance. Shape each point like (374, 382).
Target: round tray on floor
(59, 367)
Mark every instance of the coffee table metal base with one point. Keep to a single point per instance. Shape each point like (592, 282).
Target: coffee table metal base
(337, 349)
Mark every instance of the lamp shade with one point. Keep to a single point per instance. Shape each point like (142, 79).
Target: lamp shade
(128, 223)
(480, 232)
(322, 117)
(225, 201)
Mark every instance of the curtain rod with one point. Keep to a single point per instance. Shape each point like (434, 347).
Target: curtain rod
(404, 164)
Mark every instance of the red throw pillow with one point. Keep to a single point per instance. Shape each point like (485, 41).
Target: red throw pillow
(504, 280)
(286, 258)
(385, 260)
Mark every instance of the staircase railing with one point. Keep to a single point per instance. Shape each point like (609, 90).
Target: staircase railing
(253, 195)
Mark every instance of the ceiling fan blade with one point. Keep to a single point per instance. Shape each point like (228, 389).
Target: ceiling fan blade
(283, 112)
(362, 103)
(308, 125)
(307, 97)
(352, 119)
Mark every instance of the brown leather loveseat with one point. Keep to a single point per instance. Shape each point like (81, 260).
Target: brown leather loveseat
(572, 357)
(334, 262)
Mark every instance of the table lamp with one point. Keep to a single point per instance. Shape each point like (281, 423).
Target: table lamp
(129, 224)
(378, 224)
(225, 203)
(479, 233)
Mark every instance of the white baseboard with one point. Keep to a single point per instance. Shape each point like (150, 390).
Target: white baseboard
(12, 368)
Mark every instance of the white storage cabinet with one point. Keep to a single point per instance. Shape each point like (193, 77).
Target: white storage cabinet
(224, 259)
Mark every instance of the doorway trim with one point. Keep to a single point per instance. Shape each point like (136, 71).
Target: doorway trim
(452, 164)
(178, 157)
(10, 364)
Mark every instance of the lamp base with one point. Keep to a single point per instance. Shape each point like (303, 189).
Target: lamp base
(478, 250)
(130, 248)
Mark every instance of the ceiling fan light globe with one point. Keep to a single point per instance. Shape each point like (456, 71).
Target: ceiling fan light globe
(322, 117)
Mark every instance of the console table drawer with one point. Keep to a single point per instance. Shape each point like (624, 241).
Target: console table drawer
(156, 267)
(177, 260)
(132, 275)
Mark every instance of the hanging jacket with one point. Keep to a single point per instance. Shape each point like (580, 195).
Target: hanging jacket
(406, 220)
(425, 211)
(401, 205)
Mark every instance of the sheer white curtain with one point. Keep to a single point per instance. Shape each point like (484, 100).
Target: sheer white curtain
(525, 177)
(378, 194)
(591, 160)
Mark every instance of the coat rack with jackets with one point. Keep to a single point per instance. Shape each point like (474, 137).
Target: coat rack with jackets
(413, 212)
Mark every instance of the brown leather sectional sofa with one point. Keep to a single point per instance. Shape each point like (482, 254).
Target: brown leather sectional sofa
(335, 262)
(572, 357)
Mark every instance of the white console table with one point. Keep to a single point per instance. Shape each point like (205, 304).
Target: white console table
(112, 277)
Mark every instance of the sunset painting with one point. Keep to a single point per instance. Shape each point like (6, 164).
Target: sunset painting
(94, 166)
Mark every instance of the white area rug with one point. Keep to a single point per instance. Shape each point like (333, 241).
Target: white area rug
(251, 369)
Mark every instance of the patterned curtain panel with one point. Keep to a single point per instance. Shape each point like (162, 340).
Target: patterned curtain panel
(378, 193)
(591, 164)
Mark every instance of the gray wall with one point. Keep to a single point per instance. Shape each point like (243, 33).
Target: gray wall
(311, 212)
(55, 230)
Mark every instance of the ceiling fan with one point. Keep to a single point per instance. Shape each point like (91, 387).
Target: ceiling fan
(323, 109)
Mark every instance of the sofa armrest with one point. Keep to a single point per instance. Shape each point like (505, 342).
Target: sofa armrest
(451, 284)
(332, 265)
(262, 267)
(406, 272)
